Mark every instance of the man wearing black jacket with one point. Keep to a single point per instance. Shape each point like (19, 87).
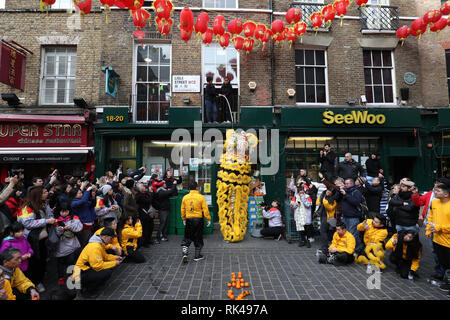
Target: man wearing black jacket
(373, 166)
(210, 101)
(227, 91)
(349, 168)
(144, 200)
(373, 193)
(327, 162)
(163, 199)
(405, 212)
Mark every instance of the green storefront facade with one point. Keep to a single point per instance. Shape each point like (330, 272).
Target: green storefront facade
(410, 142)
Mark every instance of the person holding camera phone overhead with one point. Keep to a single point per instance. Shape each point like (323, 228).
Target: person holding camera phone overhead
(327, 162)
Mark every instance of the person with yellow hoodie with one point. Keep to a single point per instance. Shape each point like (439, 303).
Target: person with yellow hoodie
(114, 247)
(326, 206)
(406, 252)
(10, 260)
(94, 265)
(341, 249)
(375, 233)
(438, 226)
(130, 230)
(193, 209)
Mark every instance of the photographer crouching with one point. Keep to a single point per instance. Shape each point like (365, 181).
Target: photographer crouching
(273, 214)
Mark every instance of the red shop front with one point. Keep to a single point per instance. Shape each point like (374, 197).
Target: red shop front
(38, 144)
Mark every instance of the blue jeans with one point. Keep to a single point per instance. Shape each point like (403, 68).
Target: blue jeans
(413, 228)
(211, 111)
(437, 266)
(351, 224)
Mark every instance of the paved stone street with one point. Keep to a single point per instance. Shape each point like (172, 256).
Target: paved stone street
(275, 270)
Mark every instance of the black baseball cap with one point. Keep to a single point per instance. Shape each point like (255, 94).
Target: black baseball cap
(108, 232)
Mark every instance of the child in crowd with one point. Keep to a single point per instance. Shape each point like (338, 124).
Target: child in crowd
(15, 238)
(406, 252)
(130, 232)
(67, 225)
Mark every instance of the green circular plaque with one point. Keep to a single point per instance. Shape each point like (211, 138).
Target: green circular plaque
(410, 78)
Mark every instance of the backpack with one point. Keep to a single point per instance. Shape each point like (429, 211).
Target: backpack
(362, 207)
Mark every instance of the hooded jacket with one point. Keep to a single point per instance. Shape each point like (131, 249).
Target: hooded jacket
(103, 212)
(415, 262)
(373, 196)
(30, 220)
(94, 256)
(327, 163)
(84, 208)
(274, 217)
(16, 279)
(346, 243)
(68, 242)
(350, 202)
(163, 197)
(373, 167)
(350, 169)
(130, 236)
(405, 215)
(22, 244)
(114, 243)
(130, 207)
(373, 235)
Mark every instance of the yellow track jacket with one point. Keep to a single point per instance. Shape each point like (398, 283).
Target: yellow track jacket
(415, 262)
(373, 235)
(18, 281)
(94, 256)
(115, 242)
(439, 216)
(330, 209)
(130, 236)
(194, 206)
(346, 243)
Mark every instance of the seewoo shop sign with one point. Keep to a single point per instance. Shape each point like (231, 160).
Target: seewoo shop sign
(353, 117)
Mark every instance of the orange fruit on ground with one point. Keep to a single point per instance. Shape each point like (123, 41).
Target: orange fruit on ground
(229, 284)
(246, 284)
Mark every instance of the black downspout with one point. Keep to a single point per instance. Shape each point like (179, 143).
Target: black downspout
(272, 61)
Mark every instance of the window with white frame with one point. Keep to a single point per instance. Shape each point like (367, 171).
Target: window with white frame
(58, 75)
(152, 82)
(379, 76)
(219, 63)
(311, 76)
(62, 4)
(2, 4)
(222, 4)
(447, 58)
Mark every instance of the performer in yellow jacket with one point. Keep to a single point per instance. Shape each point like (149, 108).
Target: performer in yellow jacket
(10, 260)
(114, 247)
(341, 249)
(193, 209)
(94, 265)
(438, 225)
(375, 233)
(406, 252)
(130, 232)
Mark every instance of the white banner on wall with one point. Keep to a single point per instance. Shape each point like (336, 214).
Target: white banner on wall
(186, 83)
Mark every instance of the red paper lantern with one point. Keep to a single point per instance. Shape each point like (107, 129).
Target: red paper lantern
(316, 20)
(46, 4)
(219, 25)
(248, 47)
(277, 27)
(140, 18)
(249, 29)
(445, 9)
(293, 15)
(403, 33)
(207, 36)
(432, 16)
(201, 24)
(341, 8)
(238, 43)
(329, 13)
(185, 34)
(235, 27)
(439, 25)
(291, 36)
(108, 4)
(163, 8)
(266, 38)
(164, 26)
(224, 40)
(136, 4)
(280, 37)
(418, 27)
(84, 6)
(186, 19)
(300, 30)
(259, 32)
(140, 35)
(362, 3)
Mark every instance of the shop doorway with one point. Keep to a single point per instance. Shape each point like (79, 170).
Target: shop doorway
(401, 167)
(444, 167)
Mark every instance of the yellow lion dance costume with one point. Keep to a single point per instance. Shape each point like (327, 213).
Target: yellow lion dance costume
(375, 253)
(233, 182)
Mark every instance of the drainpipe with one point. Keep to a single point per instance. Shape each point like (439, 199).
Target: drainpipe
(272, 61)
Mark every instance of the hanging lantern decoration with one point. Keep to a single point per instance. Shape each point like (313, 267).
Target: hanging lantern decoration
(280, 37)
(291, 36)
(249, 29)
(84, 6)
(136, 4)
(164, 26)
(403, 33)
(46, 3)
(329, 13)
(201, 24)
(186, 19)
(418, 27)
(207, 36)
(140, 18)
(316, 20)
(163, 9)
(238, 43)
(341, 8)
(432, 16)
(248, 47)
(362, 3)
(108, 4)
(259, 32)
(122, 4)
(235, 27)
(140, 35)
(277, 27)
(439, 26)
(185, 35)
(300, 30)
(219, 26)
(293, 15)
(224, 40)
(265, 39)
(445, 9)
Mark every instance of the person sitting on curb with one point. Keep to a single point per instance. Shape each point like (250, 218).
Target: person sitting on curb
(275, 228)
(341, 249)
(94, 266)
(375, 233)
(22, 287)
(406, 252)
